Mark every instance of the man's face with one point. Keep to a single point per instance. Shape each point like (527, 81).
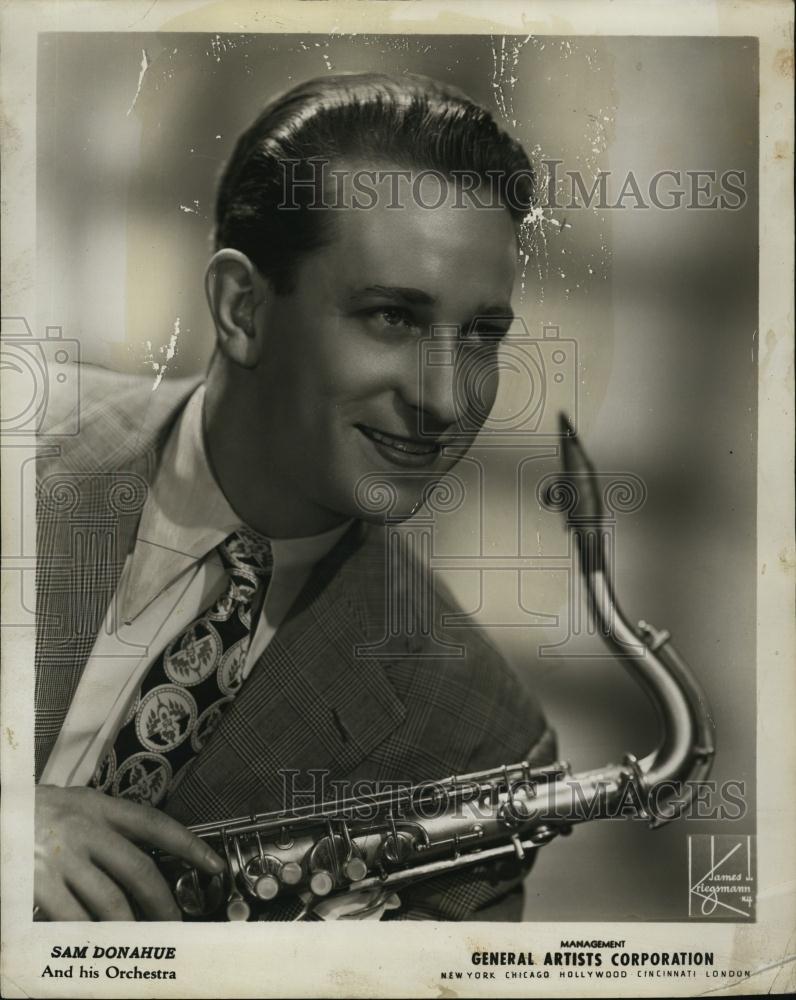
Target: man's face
(342, 391)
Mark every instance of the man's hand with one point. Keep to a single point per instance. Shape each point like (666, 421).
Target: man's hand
(87, 861)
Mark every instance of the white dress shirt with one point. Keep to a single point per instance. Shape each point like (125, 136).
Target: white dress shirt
(169, 578)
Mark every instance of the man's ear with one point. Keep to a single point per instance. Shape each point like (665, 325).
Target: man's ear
(235, 293)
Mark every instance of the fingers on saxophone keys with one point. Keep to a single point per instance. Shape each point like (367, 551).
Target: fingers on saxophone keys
(153, 827)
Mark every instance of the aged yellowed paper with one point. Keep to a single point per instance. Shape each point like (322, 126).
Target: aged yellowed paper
(539, 335)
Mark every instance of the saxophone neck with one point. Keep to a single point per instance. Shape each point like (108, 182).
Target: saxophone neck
(686, 746)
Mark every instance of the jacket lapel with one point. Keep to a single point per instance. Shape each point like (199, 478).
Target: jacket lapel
(309, 712)
(89, 500)
(78, 566)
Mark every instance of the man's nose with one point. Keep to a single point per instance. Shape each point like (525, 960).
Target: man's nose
(436, 392)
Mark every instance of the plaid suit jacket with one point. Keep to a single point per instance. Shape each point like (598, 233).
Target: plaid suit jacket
(310, 707)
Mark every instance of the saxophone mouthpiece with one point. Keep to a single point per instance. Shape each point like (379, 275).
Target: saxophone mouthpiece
(564, 425)
(579, 472)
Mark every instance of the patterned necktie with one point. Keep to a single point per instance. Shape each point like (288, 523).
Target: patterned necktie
(188, 686)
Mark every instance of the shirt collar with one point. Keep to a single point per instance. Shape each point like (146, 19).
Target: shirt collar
(186, 515)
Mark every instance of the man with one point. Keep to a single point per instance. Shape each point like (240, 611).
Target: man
(206, 577)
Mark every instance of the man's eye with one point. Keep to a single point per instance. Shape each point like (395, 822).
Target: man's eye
(393, 317)
(492, 332)
(488, 332)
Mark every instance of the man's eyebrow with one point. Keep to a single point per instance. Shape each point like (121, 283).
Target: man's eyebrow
(415, 296)
(504, 311)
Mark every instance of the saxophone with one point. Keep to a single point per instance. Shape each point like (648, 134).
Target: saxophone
(388, 841)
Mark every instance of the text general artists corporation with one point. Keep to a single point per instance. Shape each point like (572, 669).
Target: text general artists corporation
(584, 960)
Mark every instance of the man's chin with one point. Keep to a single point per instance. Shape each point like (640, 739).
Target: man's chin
(379, 499)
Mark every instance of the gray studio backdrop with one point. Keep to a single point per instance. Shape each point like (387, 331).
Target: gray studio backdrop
(661, 306)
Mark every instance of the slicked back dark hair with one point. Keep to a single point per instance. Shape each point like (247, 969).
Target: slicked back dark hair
(408, 122)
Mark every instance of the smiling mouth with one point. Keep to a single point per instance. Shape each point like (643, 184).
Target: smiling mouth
(406, 446)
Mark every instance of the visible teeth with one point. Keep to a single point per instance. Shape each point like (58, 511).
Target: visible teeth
(400, 445)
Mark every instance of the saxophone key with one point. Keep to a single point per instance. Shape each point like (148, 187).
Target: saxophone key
(198, 895)
(355, 869)
(291, 873)
(266, 887)
(397, 848)
(237, 908)
(321, 883)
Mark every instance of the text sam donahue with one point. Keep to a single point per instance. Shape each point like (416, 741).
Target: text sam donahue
(113, 951)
